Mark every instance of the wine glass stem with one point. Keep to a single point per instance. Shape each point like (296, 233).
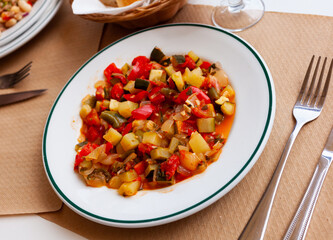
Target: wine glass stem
(235, 5)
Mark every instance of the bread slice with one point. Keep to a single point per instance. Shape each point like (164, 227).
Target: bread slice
(123, 3)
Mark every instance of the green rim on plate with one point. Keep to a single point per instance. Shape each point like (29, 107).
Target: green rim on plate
(268, 120)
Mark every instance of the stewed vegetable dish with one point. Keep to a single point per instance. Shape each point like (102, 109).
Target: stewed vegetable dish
(12, 11)
(154, 122)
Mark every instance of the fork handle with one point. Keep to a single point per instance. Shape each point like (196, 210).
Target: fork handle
(300, 223)
(256, 226)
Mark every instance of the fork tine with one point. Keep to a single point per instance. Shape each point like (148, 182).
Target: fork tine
(22, 69)
(22, 72)
(316, 94)
(19, 80)
(306, 99)
(305, 81)
(325, 90)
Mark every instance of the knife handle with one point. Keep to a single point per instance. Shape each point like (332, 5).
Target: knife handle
(300, 223)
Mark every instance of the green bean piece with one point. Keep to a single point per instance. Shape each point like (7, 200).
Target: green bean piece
(212, 93)
(113, 118)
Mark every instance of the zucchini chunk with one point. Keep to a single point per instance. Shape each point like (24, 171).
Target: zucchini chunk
(156, 55)
(141, 84)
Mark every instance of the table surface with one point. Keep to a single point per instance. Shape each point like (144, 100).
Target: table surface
(34, 227)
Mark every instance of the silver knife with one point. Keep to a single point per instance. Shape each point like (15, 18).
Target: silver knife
(300, 223)
(19, 96)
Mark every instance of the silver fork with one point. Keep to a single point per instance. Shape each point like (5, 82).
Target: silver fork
(9, 80)
(307, 108)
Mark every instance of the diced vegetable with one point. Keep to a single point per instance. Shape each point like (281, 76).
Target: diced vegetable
(173, 145)
(178, 80)
(90, 100)
(114, 104)
(125, 108)
(130, 87)
(113, 118)
(157, 75)
(168, 127)
(141, 84)
(222, 100)
(189, 160)
(115, 182)
(113, 136)
(206, 125)
(125, 68)
(212, 93)
(195, 77)
(228, 108)
(121, 152)
(170, 70)
(178, 59)
(128, 176)
(228, 92)
(193, 56)
(149, 172)
(129, 142)
(129, 189)
(156, 55)
(198, 143)
(85, 110)
(152, 138)
(160, 153)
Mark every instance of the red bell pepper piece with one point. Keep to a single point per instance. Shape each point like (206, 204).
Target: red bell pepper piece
(88, 148)
(78, 160)
(127, 129)
(205, 65)
(170, 166)
(136, 97)
(155, 96)
(183, 96)
(140, 69)
(92, 118)
(100, 94)
(198, 112)
(108, 147)
(188, 127)
(143, 112)
(117, 91)
(92, 134)
(140, 167)
(145, 148)
(119, 76)
(112, 68)
(188, 63)
(142, 60)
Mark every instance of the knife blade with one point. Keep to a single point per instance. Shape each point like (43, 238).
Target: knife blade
(19, 96)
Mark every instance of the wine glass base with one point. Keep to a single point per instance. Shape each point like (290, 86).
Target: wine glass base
(239, 16)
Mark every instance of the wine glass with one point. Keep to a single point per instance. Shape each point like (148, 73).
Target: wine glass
(238, 15)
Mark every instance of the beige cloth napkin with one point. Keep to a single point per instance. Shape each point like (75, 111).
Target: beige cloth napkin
(57, 52)
(286, 42)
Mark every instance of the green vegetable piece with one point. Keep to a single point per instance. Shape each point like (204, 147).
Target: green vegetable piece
(173, 145)
(218, 118)
(113, 118)
(212, 93)
(79, 145)
(206, 125)
(149, 172)
(141, 84)
(156, 55)
(160, 154)
(91, 101)
(179, 59)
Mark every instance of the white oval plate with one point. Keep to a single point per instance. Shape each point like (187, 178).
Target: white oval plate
(33, 30)
(255, 99)
(37, 10)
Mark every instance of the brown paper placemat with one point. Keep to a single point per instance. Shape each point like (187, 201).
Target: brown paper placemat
(286, 42)
(56, 52)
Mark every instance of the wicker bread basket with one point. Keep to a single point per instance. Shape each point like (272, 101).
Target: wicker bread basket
(157, 12)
